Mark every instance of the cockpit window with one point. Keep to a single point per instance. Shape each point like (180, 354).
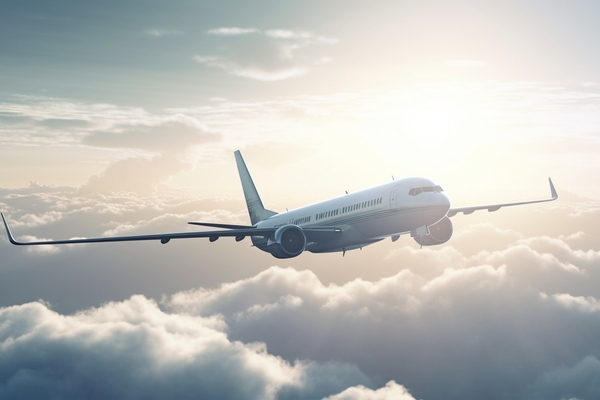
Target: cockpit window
(419, 190)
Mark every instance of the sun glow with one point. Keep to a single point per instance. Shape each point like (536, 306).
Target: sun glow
(432, 124)
(430, 130)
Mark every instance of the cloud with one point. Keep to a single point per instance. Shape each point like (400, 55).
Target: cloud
(133, 349)
(168, 139)
(232, 31)
(252, 72)
(301, 35)
(31, 220)
(40, 250)
(578, 381)
(272, 55)
(464, 314)
(587, 304)
(62, 123)
(53, 121)
(391, 391)
(136, 174)
(162, 32)
(171, 135)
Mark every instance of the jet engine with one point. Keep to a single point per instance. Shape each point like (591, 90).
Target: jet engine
(290, 241)
(439, 233)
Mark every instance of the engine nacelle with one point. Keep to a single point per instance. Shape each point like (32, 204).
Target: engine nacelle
(290, 241)
(439, 233)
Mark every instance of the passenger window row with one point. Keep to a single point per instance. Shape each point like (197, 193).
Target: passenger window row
(299, 221)
(350, 208)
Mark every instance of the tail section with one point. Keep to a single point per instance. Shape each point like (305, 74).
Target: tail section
(255, 206)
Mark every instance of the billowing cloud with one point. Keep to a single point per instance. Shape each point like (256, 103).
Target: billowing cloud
(416, 330)
(271, 55)
(169, 138)
(401, 328)
(173, 134)
(391, 391)
(136, 174)
(133, 349)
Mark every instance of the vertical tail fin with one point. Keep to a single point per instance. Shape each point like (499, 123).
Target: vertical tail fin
(255, 206)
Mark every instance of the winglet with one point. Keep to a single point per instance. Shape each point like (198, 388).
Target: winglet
(10, 236)
(552, 190)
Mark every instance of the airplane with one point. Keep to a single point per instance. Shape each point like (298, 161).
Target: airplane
(415, 206)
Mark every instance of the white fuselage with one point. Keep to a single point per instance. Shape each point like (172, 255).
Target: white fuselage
(369, 215)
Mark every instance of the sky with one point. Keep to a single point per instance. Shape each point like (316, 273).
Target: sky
(121, 118)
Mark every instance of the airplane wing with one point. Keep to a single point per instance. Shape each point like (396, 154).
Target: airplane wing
(495, 207)
(317, 234)
(239, 233)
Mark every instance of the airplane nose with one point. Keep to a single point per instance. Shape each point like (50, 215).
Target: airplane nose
(444, 201)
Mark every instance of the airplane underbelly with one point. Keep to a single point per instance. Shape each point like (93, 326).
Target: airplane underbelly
(351, 239)
(398, 221)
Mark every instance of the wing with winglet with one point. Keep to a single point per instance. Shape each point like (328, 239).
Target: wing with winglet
(162, 237)
(239, 233)
(495, 207)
